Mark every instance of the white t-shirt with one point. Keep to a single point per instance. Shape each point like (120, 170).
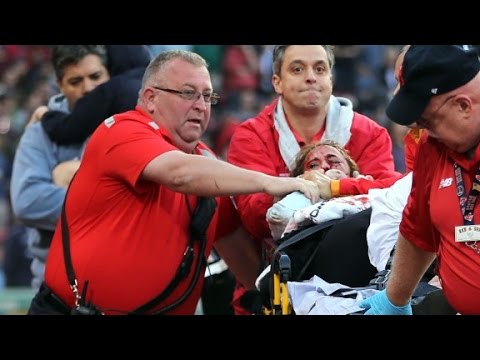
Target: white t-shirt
(387, 210)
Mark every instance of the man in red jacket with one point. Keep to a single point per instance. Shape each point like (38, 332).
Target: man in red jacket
(305, 112)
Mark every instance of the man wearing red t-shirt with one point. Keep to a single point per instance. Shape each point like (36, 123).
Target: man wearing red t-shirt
(440, 93)
(132, 204)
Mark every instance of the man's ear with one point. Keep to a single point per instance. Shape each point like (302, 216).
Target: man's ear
(276, 82)
(148, 98)
(465, 103)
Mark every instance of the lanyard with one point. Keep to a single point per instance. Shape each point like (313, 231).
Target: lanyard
(467, 204)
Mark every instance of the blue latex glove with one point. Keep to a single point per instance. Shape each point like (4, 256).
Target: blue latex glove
(379, 304)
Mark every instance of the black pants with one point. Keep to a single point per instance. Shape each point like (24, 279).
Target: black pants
(217, 294)
(47, 303)
(340, 253)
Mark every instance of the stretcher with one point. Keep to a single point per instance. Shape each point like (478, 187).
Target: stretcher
(282, 274)
(427, 299)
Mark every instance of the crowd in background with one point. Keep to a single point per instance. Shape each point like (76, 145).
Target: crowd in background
(241, 74)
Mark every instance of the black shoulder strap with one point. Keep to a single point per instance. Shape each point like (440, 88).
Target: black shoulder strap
(200, 221)
(198, 228)
(66, 248)
(72, 280)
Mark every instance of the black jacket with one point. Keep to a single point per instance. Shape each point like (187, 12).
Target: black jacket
(126, 65)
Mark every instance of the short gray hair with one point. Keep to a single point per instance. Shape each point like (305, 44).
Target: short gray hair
(164, 57)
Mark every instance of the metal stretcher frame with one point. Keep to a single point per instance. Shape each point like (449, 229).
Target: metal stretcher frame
(282, 272)
(426, 300)
(281, 267)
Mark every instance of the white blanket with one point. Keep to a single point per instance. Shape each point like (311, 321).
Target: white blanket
(313, 297)
(336, 208)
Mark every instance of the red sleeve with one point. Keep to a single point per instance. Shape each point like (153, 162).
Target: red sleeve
(371, 147)
(228, 218)
(416, 225)
(411, 140)
(249, 151)
(351, 186)
(132, 144)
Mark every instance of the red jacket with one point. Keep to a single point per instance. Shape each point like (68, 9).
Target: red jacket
(254, 146)
(361, 186)
(411, 140)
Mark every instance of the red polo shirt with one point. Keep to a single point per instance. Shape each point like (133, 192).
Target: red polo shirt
(127, 235)
(430, 217)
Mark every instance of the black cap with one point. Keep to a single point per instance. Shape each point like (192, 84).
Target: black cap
(427, 71)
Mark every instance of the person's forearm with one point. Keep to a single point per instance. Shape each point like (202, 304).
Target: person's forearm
(219, 178)
(76, 127)
(241, 255)
(36, 201)
(66, 129)
(352, 186)
(203, 176)
(39, 205)
(409, 265)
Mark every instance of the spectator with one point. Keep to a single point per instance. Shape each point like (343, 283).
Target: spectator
(305, 112)
(36, 197)
(126, 65)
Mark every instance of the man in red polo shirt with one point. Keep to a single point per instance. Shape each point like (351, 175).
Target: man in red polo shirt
(440, 92)
(131, 209)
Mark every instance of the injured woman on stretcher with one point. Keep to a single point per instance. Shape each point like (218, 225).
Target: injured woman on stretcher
(359, 243)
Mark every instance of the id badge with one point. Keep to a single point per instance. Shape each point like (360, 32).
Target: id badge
(467, 233)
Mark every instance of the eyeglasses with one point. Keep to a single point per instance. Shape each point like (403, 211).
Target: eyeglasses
(192, 95)
(427, 123)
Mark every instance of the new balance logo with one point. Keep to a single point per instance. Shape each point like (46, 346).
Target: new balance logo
(446, 183)
(109, 122)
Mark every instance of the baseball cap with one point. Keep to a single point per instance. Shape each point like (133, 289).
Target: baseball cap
(427, 71)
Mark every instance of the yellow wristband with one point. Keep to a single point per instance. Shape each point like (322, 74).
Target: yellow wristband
(335, 187)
